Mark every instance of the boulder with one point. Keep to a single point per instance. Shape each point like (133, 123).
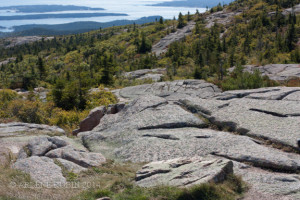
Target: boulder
(42, 170)
(58, 142)
(92, 120)
(39, 146)
(184, 172)
(70, 166)
(82, 158)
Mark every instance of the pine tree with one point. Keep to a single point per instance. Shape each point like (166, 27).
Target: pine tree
(197, 28)
(108, 70)
(161, 20)
(291, 37)
(189, 17)
(144, 46)
(181, 23)
(41, 67)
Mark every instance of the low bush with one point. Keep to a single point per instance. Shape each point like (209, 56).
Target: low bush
(101, 98)
(245, 80)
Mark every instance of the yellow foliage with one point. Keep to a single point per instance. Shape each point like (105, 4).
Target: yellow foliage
(101, 98)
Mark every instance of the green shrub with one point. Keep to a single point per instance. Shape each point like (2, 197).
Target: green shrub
(101, 98)
(246, 80)
(27, 111)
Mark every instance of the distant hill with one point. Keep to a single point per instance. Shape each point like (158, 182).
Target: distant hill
(62, 15)
(193, 3)
(47, 8)
(71, 28)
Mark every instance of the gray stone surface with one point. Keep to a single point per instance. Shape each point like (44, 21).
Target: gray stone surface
(277, 72)
(92, 120)
(70, 166)
(247, 118)
(184, 172)
(267, 185)
(58, 142)
(162, 130)
(153, 74)
(82, 158)
(222, 17)
(162, 45)
(153, 77)
(42, 170)
(266, 113)
(197, 88)
(295, 9)
(39, 146)
(17, 128)
(17, 41)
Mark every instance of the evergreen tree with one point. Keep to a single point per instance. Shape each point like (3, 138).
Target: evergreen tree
(189, 17)
(291, 37)
(197, 28)
(144, 45)
(161, 20)
(181, 22)
(41, 67)
(108, 70)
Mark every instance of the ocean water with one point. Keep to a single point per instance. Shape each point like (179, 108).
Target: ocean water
(135, 9)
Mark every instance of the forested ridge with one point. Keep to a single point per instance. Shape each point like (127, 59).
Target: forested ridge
(71, 65)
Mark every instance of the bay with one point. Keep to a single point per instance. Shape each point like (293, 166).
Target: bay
(134, 9)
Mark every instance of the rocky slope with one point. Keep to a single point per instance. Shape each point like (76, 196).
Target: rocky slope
(276, 72)
(188, 131)
(162, 45)
(256, 129)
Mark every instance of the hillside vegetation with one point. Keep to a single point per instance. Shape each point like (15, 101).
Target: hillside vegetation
(70, 65)
(79, 72)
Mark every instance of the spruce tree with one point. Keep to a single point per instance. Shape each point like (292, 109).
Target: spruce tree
(189, 17)
(41, 67)
(181, 23)
(161, 20)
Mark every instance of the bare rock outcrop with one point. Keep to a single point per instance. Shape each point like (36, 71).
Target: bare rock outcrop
(170, 90)
(45, 158)
(295, 9)
(184, 172)
(95, 115)
(92, 120)
(277, 72)
(143, 74)
(18, 128)
(186, 119)
(268, 113)
(43, 170)
(222, 17)
(162, 45)
(79, 157)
